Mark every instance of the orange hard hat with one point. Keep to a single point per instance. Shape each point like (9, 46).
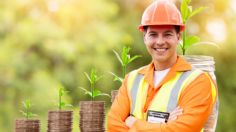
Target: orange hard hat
(161, 12)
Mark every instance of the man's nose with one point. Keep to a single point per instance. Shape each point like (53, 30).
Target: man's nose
(160, 40)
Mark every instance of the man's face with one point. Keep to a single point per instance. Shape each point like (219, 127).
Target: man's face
(161, 42)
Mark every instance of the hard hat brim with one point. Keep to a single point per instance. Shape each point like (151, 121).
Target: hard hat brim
(141, 27)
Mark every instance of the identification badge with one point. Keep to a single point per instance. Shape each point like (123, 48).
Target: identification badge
(157, 117)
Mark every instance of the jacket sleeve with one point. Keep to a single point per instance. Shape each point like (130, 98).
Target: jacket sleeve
(119, 111)
(196, 101)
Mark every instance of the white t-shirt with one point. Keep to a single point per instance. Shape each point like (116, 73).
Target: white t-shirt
(159, 76)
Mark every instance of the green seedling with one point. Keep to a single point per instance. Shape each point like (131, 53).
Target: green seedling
(117, 78)
(187, 12)
(61, 104)
(93, 79)
(26, 113)
(124, 60)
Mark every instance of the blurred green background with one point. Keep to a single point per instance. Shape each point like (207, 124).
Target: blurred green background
(46, 42)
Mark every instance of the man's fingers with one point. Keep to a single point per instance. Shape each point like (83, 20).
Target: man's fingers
(129, 121)
(177, 110)
(174, 114)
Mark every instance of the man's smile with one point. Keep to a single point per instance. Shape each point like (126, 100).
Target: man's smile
(160, 50)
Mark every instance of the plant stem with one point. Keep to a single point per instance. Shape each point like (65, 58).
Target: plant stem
(59, 101)
(92, 88)
(27, 113)
(123, 71)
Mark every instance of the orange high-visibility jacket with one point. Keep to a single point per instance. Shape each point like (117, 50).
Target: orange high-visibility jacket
(196, 101)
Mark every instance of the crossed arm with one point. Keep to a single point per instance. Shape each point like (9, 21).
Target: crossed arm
(196, 101)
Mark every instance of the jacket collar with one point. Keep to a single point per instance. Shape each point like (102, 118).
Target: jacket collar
(180, 66)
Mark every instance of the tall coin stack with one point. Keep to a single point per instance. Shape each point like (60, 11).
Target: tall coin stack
(27, 125)
(206, 64)
(92, 116)
(60, 121)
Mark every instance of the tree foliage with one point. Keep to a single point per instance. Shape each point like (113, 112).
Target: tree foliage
(44, 42)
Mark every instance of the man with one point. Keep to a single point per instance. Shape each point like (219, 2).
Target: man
(168, 94)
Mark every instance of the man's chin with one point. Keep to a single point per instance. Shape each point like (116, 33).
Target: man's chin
(160, 59)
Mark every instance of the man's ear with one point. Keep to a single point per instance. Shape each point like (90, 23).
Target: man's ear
(178, 36)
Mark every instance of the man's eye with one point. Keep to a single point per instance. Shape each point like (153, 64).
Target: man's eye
(152, 34)
(168, 34)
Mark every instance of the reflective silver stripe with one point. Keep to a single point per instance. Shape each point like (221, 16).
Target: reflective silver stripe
(134, 90)
(175, 91)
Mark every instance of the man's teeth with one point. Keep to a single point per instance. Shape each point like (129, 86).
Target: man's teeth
(160, 49)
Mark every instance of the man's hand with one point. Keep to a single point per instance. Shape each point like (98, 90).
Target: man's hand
(130, 121)
(174, 114)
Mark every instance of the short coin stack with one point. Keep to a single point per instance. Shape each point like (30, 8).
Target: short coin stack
(60, 121)
(29, 125)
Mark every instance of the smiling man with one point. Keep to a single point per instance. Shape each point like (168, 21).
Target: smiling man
(167, 95)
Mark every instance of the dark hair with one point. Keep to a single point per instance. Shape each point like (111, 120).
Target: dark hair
(177, 28)
(145, 28)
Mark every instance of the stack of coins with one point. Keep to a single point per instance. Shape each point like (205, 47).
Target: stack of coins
(113, 95)
(25, 125)
(92, 116)
(60, 121)
(206, 64)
